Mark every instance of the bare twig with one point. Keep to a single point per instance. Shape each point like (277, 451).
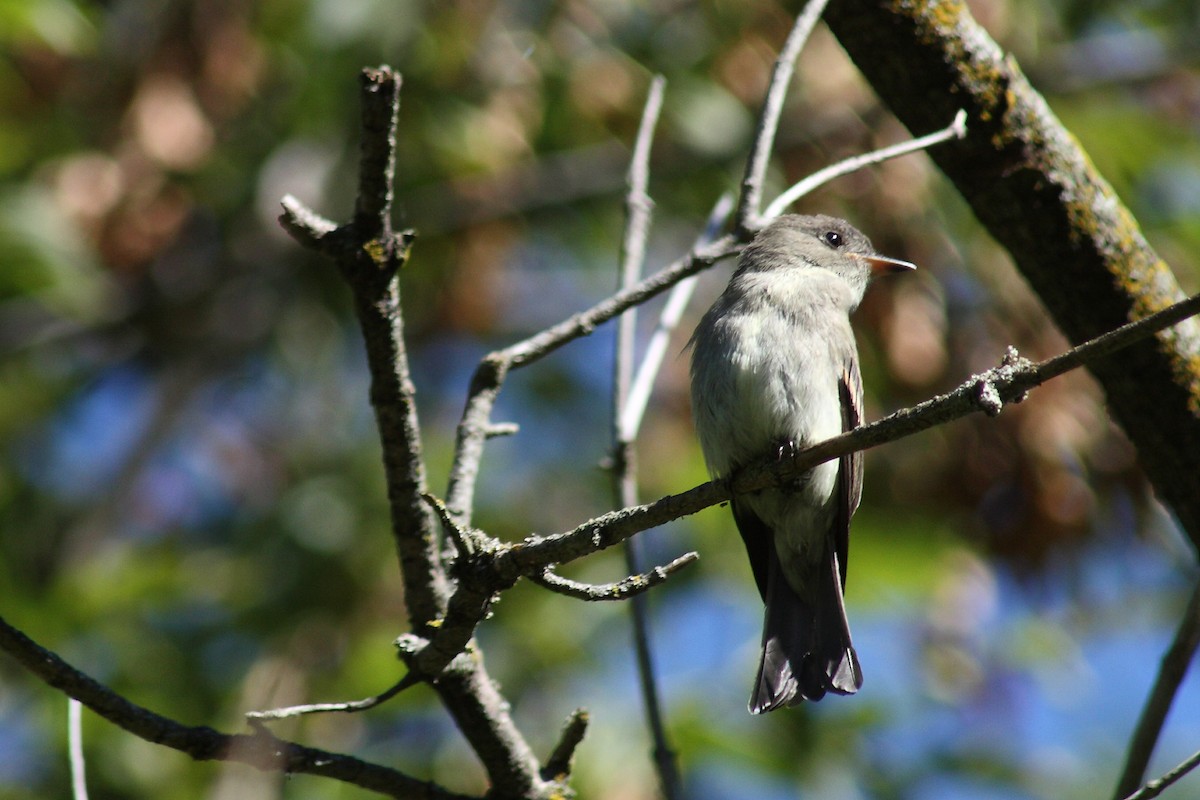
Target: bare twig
(1154, 715)
(633, 254)
(1156, 787)
(668, 321)
(623, 589)
(559, 763)
(955, 130)
(348, 707)
(490, 374)
(466, 541)
(746, 215)
(75, 747)
(260, 750)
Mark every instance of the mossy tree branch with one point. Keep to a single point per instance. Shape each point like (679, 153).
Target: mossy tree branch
(1032, 186)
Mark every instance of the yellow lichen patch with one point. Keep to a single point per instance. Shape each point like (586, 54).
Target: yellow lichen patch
(377, 252)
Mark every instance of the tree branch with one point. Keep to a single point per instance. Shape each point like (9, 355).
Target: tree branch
(369, 254)
(987, 392)
(1157, 786)
(681, 294)
(955, 130)
(745, 217)
(75, 747)
(1171, 673)
(493, 369)
(260, 750)
(1038, 194)
(349, 707)
(559, 763)
(623, 589)
(638, 206)
(500, 565)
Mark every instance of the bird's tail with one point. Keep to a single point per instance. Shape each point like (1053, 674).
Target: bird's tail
(806, 646)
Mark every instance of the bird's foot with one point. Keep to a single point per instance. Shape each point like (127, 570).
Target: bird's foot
(786, 449)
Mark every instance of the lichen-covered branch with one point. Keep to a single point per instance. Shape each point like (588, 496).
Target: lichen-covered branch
(1030, 183)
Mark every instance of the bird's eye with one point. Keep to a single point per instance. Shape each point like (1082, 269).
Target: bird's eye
(833, 239)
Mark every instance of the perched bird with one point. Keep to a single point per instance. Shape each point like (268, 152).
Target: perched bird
(775, 369)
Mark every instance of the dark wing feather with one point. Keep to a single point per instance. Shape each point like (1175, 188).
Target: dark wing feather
(850, 467)
(758, 540)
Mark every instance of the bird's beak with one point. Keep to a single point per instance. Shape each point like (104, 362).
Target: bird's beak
(882, 265)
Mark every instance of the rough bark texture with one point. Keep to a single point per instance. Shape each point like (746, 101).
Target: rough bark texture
(1030, 183)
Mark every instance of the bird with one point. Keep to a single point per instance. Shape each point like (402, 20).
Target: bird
(774, 369)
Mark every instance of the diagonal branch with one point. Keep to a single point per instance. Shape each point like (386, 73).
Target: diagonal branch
(1036, 191)
(955, 130)
(1171, 673)
(349, 707)
(498, 566)
(1157, 786)
(987, 392)
(490, 374)
(260, 750)
(745, 218)
(623, 589)
(656, 349)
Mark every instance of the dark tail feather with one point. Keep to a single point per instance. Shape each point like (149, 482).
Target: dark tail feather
(806, 650)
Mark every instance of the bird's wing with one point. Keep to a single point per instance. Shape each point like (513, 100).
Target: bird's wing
(850, 467)
(759, 542)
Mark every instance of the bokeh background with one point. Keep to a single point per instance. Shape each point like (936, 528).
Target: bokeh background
(191, 505)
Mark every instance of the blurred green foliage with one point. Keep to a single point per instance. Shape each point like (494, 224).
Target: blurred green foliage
(191, 506)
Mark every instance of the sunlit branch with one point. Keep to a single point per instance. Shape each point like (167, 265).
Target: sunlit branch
(955, 130)
(350, 706)
(623, 589)
(768, 118)
(75, 747)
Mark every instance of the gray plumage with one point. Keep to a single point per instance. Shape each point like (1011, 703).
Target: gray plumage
(775, 368)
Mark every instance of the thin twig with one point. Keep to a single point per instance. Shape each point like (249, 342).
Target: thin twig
(1171, 673)
(668, 321)
(638, 206)
(623, 589)
(558, 766)
(1156, 787)
(494, 368)
(466, 541)
(348, 707)
(768, 118)
(75, 747)
(260, 750)
(955, 130)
